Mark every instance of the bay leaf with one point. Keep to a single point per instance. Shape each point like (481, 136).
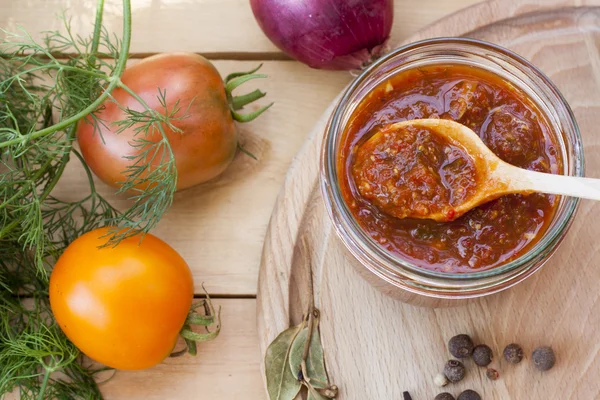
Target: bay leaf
(315, 362)
(314, 395)
(281, 383)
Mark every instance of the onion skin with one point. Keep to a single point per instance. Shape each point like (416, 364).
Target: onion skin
(327, 34)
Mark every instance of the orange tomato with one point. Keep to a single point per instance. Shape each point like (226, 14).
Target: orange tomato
(122, 306)
(208, 139)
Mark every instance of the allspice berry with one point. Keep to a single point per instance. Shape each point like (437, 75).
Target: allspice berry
(492, 374)
(461, 346)
(543, 358)
(482, 355)
(440, 380)
(513, 353)
(444, 396)
(469, 395)
(454, 370)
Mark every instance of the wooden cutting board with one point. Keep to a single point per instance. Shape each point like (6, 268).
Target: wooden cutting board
(377, 347)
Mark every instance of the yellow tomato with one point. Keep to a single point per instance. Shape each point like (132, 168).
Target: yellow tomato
(122, 306)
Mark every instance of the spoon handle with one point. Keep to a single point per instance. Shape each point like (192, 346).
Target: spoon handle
(587, 188)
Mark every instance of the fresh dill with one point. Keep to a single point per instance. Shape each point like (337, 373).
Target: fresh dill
(42, 98)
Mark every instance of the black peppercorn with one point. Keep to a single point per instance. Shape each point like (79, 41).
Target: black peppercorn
(492, 374)
(543, 358)
(482, 355)
(454, 370)
(461, 346)
(469, 395)
(406, 396)
(513, 353)
(444, 396)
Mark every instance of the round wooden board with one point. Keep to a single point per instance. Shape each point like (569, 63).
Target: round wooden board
(377, 347)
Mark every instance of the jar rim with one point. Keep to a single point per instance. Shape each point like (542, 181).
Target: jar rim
(421, 277)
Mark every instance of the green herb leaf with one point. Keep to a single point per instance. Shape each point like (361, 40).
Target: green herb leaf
(281, 383)
(315, 362)
(42, 100)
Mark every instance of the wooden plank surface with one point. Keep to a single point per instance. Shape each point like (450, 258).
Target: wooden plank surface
(204, 223)
(400, 347)
(226, 368)
(219, 227)
(222, 28)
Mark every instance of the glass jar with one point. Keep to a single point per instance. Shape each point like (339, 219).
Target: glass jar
(389, 272)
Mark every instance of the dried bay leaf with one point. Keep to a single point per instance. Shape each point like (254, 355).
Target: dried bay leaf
(315, 362)
(281, 383)
(314, 395)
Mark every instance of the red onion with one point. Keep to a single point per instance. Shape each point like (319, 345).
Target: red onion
(327, 34)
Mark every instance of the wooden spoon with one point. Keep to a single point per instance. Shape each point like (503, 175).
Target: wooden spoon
(495, 177)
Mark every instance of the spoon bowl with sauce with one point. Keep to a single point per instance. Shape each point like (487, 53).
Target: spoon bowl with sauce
(440, 169)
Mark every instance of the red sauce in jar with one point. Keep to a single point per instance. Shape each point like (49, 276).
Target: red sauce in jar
(414, 172)
(507, 121)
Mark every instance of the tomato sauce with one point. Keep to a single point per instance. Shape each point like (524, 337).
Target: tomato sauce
(413, 172)
(381, 189)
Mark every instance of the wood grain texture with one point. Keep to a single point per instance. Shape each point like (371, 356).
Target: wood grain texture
(218, 28)
(377, 347)
(205, 222)
(226, 368)
(218, 227)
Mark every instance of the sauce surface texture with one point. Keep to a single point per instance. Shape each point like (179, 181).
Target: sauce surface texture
(413, 172)
(508, 123)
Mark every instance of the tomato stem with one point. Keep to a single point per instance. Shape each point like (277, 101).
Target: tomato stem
(205, 320)
(238, 102)
(240, 80)
(237, 74)
(233, 81)
(250, 116)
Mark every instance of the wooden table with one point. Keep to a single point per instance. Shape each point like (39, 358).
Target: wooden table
(219, 227)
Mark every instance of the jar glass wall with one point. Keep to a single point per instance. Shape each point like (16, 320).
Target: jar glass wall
(400, 277)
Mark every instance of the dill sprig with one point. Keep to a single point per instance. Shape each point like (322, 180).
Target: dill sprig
(151, 173)
(42, 99)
